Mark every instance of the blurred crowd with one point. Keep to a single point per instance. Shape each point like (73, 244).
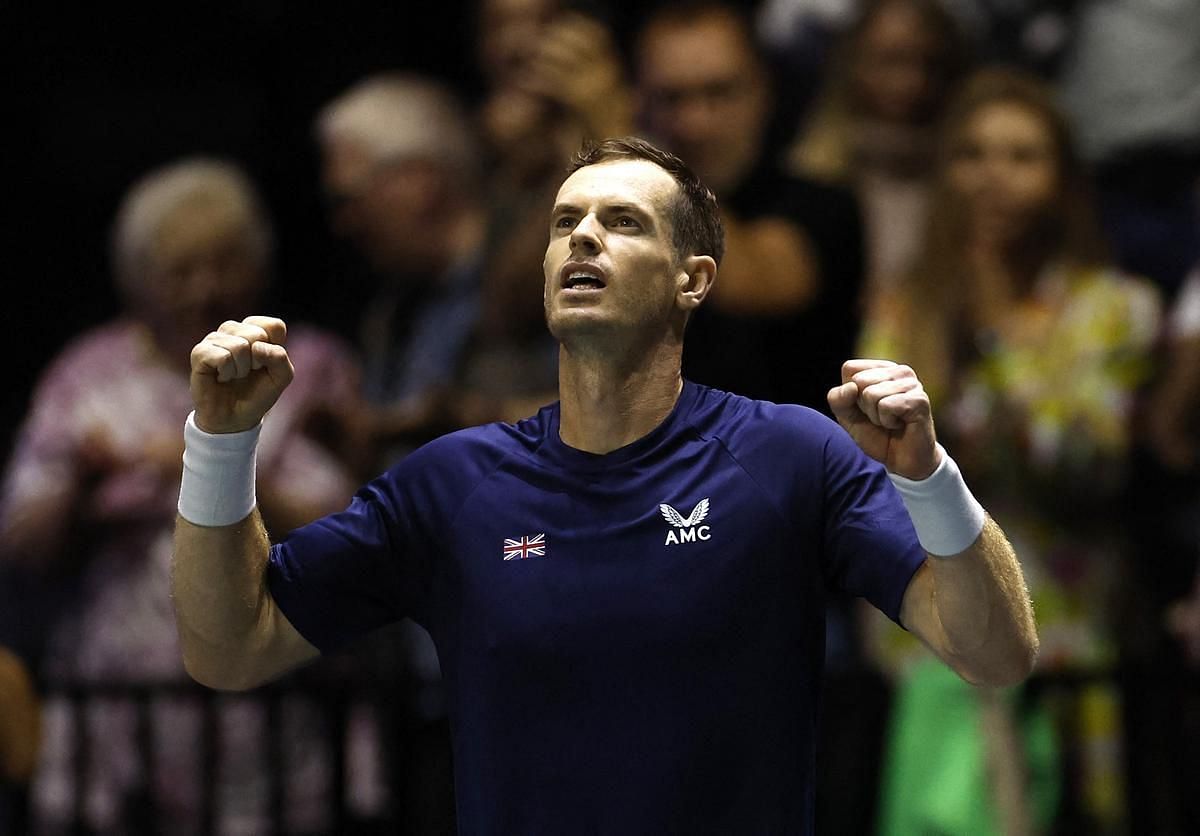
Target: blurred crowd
(1003, 195)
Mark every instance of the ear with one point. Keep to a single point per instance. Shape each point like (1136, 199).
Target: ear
(696, 277)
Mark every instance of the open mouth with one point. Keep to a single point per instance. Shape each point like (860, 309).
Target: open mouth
(579, 277)
(582, 281)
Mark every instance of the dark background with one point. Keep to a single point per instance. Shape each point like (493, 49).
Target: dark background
(100, 95)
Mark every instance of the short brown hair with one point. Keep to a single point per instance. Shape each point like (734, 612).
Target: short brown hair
(695, 216)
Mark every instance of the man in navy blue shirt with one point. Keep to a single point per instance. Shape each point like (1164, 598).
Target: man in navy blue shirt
(626, 590)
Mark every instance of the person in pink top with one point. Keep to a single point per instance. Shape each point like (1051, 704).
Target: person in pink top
(90, 491)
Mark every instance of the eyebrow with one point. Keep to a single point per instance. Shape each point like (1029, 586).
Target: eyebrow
(609, 208)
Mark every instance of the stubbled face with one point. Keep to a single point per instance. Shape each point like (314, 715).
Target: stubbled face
(202, 270)
(703, 94)
(610, 266)
(1004, 172)
(894, 69)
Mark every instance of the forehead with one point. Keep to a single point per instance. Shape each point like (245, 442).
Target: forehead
(636, 182)
(896, 21)
(682, 51)
(198, 226)
(1009, 121)
(345, 160)
(507, 11)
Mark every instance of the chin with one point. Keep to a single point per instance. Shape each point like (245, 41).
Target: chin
(577, 323)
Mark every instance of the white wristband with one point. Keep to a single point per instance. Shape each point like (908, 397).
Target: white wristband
(218, 475)
(945, 514)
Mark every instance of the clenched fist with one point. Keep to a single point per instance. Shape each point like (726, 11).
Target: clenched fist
(884, 408)
(238, 373)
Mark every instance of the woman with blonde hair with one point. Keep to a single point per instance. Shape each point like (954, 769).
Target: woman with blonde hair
(1036, 347)
(873, 125)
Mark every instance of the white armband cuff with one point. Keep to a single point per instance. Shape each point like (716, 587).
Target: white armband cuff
(945, 514)
(218, 475)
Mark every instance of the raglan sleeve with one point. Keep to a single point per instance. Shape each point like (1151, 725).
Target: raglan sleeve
(369, 565)
(870, 546)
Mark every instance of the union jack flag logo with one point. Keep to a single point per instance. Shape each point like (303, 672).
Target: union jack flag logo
(527, 546)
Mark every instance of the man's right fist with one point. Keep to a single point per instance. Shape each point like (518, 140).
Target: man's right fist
(238, 372)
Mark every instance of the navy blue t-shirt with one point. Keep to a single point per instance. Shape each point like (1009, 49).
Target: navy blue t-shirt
(631, 643)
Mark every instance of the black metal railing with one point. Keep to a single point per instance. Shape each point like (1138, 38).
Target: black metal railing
(333, 704)
(142, 809)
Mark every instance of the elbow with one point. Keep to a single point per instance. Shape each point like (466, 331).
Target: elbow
(1008, 669)
(218, 674)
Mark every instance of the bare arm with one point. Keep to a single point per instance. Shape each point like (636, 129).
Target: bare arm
(769, 267)
(233, 635)
(971, 608)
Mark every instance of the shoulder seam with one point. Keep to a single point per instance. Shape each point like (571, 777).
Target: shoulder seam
(453, 520)
(770, 501)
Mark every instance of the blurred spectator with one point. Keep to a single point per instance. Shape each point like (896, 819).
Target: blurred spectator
(1162, 653)
(1032, 34)
(780, 321)
(89, 499)
(1173, 415)
(20, 738)
(552, 77)
(402, 171)
(1033, 348)
(1183, 620)
(873, 127)
(1131, 84)
(800, 37)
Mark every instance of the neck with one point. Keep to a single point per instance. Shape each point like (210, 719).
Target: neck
(607, 404)
(1018, 263)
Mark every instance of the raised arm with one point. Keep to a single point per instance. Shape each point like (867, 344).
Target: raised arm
(968, 603)
(233, 635)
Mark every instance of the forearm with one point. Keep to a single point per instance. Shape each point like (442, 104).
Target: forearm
(769, 267)
(982, 610)
(232, 635)
(967, 601)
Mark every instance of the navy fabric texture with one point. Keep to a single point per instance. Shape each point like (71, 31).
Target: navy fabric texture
(632, 643)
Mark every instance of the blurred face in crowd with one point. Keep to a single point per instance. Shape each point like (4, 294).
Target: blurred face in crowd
(509, 32)
(1004, 170)
(203, 269)
(386, 209)
(895, 65)
(704, 95)
(611, 266)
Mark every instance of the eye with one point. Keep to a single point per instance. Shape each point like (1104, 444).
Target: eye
(968, 152)
(1028, 154)
(626, 222)
(564, 222)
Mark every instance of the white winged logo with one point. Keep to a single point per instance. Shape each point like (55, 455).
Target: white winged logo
(675, 518)
(686, 529)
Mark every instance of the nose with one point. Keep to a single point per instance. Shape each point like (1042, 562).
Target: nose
(586, 235)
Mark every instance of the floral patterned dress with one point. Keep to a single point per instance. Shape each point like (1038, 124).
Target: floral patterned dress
(1037, 412)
